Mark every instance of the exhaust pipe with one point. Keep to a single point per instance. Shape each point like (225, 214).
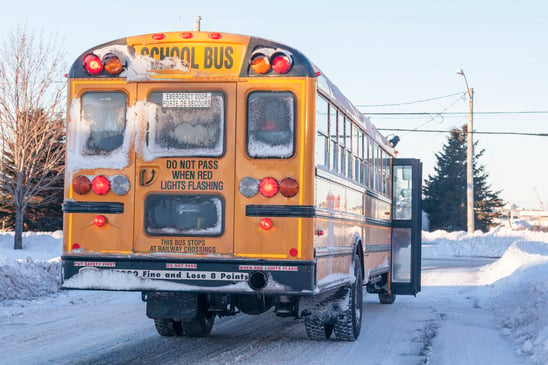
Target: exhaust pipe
(258, 280)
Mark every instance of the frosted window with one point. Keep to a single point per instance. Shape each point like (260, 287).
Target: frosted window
(271, 124)
(104, 120)
(184, 215)
(187, 123)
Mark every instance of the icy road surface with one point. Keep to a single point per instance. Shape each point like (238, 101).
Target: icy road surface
(446, 323)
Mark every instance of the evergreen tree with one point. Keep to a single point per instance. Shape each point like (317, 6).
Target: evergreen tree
(444, 193)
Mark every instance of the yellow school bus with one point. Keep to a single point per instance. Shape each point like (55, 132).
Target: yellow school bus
(219, 173)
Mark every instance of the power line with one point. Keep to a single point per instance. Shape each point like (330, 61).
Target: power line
(475, 132)
(459, 113)
(411, 102)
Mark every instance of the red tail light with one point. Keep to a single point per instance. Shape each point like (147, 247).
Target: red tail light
(281, 63)
(93, 64)
(268, 187)
(289, 187)
(266, 224)
(293, 252)
(112, 64)
(99, 221)
(100, 185)
(76, 246)
(81, 185)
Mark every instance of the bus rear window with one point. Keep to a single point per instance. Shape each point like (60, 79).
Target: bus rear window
(186, 123)
(271, 124)
(184, 215)
(104, 120)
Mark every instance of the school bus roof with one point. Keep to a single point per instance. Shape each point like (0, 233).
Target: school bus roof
(191, 54)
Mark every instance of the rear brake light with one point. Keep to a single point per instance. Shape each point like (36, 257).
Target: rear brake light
(266, 224)
(99, 220)
(92, 64)
(281, 63)
(81, 184)
(112, 64)
(268, 187)
(100, 185)
(76, 247)
(289, 187)
(293, 252)
(260, 64)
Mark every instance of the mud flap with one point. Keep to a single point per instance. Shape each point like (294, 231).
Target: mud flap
(171, 305)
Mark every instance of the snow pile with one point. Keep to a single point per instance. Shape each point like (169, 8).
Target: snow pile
(34, 271)
(439, 244)
(514, 286)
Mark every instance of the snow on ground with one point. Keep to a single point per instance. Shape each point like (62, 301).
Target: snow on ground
(514, 287)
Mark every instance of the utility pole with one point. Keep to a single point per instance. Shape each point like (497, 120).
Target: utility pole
(197, 24)
(469, 157)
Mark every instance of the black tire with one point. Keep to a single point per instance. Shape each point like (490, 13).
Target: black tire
(349, 323)
(168, 327)
(200, 326)
(386, 298)
(316, 330)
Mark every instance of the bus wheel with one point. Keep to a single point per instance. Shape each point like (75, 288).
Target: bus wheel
(200, 326)
(349, 323)
(316, 330)
(168, 327)
(386, 298)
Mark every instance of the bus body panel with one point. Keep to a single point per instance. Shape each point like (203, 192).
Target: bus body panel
(79, 228)
(177, 175)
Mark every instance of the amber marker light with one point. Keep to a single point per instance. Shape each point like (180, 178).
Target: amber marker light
(112, 64)
(260, 64)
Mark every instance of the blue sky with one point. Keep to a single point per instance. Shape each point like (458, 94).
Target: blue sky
(377, 53)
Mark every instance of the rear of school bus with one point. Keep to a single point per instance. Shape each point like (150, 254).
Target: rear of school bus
(188, 177)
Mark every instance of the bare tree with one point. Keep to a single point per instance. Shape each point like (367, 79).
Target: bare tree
(32, 100)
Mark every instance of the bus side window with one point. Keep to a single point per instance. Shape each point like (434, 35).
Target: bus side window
(104, 118)
(322, 133)
(270, 124)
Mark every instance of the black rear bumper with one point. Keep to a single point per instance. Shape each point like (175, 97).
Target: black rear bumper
(205, 275)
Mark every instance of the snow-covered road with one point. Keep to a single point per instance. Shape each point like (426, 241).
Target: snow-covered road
(442, 325)
(471, 310)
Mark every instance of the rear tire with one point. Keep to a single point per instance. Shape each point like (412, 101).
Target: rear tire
(348, 325)
(168, 327)
(316, 330)
(386, 298)
(201, 325)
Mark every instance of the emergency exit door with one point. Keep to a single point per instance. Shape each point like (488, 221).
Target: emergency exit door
(406, 226)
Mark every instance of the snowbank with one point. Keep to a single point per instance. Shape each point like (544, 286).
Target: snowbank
(515, 285)
(33, 271)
